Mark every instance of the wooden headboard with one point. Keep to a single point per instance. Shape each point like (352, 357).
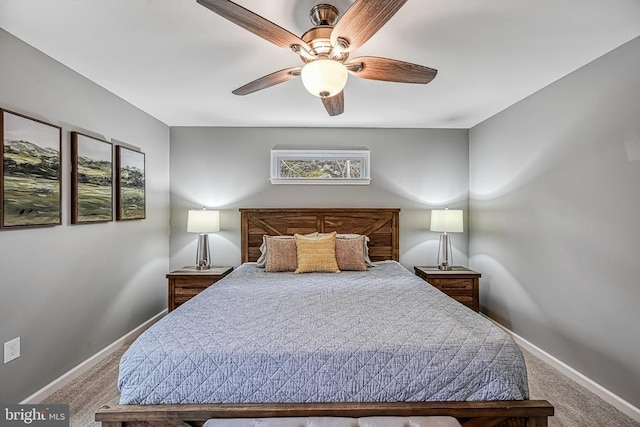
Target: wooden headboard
(380, 224)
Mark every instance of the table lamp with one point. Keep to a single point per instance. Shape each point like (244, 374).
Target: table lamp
(203, 222)
(447, 221)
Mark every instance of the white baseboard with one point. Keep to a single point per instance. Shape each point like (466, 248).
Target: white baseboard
(83, 367)
(586, 382)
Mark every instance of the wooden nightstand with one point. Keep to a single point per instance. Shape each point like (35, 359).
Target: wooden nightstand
(460, 283)
(188, 282)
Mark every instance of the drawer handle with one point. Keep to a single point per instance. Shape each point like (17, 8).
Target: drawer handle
(454, 286)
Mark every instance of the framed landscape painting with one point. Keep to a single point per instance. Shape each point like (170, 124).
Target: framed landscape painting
(130, 184)
(30, 187)
(91, 179)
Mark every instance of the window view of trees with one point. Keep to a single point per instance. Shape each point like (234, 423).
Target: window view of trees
(349, 166)
(320, 168)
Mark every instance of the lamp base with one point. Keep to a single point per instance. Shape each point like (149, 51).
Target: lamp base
(203, 256)
(445, 255)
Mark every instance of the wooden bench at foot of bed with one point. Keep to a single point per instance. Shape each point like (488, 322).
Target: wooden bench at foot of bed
(520, 413)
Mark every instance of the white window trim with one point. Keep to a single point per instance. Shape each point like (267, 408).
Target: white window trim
(362, 155)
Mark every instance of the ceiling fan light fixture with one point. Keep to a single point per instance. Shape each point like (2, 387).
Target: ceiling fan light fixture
(324, 77)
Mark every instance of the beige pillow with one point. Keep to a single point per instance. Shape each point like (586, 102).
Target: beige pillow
(350, 253)
(280, 254)
(262, 260)
(316, 254)
(367, 260)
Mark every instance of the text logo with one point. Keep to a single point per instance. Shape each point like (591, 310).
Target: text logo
(34, 415)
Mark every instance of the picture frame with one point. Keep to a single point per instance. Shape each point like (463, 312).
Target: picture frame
(91, 179)
(130, 184)
(30, 172)
(344, 166)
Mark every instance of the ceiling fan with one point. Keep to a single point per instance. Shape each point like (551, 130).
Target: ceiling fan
(325, 48)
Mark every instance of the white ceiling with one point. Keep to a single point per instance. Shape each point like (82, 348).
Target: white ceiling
(179, 62)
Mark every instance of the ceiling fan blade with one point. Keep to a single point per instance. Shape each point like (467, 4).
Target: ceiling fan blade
(390, 70)
(255, 23)
(362, 20)
(334, 104)
(268, 81)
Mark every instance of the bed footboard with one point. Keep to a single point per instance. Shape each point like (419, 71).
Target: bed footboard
(521, 413)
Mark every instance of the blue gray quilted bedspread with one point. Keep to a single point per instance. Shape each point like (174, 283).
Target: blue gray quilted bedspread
(383, 335)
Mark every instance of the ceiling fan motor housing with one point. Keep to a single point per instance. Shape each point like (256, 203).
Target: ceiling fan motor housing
(318, 40)
(324, 14)
(324, 17)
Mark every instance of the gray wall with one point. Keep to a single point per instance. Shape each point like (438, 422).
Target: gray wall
(69, 291)
(555, 219)
(228, 168)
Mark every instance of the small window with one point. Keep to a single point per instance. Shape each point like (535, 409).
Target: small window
(341, 166)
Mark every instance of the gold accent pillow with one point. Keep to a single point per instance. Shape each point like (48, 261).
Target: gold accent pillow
(280, 254)
(316, 254)
(350, 253)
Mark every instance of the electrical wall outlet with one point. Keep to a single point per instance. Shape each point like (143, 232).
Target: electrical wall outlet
(11, 350)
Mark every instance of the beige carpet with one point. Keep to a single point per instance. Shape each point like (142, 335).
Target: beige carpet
(575, 406)
(91, 390)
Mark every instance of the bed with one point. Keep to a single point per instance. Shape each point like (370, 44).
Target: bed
(274, 382)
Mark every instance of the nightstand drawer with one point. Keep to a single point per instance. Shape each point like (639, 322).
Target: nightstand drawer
(181, 299)
(188, 291)
(459, 283)
(465, 299)
(453, 286)
(196, 283)
(188, 282)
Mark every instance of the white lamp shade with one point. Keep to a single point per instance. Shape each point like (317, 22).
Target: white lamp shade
(449, 220)
(203, 221)
(324, 77)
